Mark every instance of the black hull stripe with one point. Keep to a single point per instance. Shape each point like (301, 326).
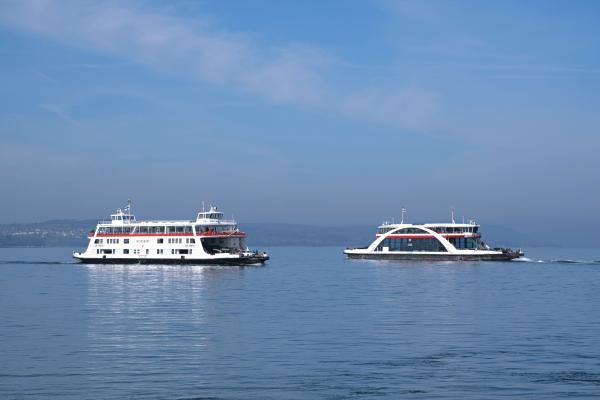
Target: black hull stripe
(435, 257)
(163, 261)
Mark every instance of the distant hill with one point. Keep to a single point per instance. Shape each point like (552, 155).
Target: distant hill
(53, 233)
(502, 236)
(276, 234)
(73, 233)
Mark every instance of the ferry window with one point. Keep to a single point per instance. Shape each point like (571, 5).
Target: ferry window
(419, 244)
(410, 230)
(126, 241)
(160, 240)
(179, 229)
(125, 251)
(192, 241)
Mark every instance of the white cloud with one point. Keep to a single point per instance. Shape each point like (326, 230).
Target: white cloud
(293, 74)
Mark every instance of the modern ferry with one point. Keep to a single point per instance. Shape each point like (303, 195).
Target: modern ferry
(443, 241)
(209, 239)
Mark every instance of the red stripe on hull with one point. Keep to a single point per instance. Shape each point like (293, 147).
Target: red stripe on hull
(201, 234)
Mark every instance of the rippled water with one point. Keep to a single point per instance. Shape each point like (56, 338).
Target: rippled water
(308, 325)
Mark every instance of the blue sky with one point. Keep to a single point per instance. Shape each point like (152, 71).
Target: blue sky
(332, 112)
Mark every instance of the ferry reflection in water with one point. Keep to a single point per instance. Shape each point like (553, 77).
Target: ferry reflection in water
(144, 314)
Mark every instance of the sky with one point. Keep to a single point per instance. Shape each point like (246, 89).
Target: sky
(317, 112)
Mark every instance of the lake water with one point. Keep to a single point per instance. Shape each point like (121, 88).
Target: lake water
(308, 325)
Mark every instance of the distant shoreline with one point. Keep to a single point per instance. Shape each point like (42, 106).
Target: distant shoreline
(74, 233)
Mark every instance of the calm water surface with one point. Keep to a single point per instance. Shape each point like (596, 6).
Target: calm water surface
(308, 325)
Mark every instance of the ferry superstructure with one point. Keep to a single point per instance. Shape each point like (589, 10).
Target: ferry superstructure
(209, 239)
(434, 241)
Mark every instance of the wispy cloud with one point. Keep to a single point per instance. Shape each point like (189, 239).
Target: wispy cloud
(43, 76)
(384, 106)
(60, 113)
(294, 74)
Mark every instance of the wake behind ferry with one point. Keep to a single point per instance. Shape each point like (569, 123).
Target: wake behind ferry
(209, 239)
(436, 241)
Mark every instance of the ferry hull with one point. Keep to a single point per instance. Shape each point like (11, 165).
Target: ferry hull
(244, 260)
(436, 257)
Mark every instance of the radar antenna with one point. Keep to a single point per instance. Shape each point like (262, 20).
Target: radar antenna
(403, 212)
(452, 214)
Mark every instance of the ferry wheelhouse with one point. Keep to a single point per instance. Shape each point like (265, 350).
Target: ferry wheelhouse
(441, 241)
(209, 239)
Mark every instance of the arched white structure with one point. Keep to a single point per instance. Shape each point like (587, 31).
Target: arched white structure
(443, 241)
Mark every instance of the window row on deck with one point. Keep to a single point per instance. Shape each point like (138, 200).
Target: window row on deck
(157, 230)
(454, 229)
(138, 251)
(438, 229)
(409, 244)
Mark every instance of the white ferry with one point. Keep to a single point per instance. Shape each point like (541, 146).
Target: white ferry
(209, 239)
(443, 241)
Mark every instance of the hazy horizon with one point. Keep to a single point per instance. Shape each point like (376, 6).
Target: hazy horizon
(339, 113)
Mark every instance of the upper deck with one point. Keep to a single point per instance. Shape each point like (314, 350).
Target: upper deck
(207, 223)
(211, 217)
(446, 229)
